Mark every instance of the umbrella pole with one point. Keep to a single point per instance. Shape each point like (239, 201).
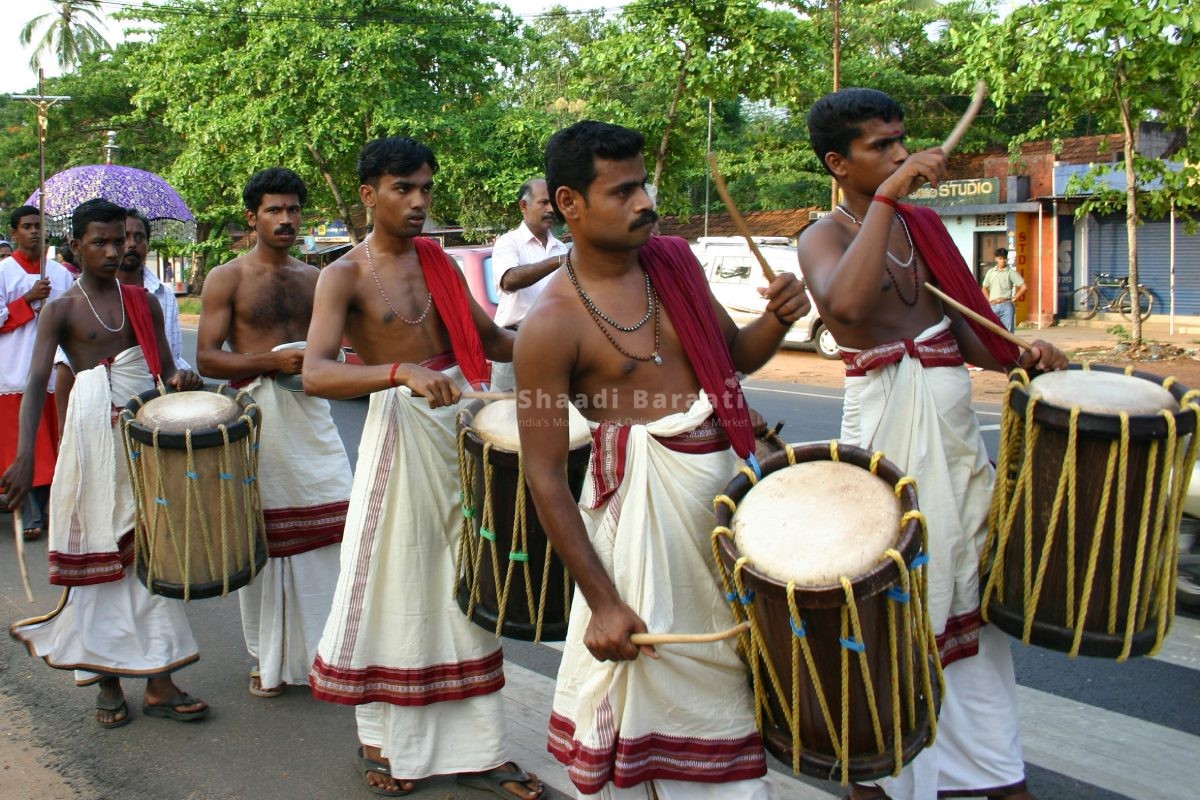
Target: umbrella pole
(43, 102)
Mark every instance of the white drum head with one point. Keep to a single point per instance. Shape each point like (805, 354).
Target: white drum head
(182, 411)
(496, 423)
(1101, 392)
(817, 521)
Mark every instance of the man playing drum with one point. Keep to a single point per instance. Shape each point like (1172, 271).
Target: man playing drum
(107, 624)
(424, 679)
(256, 303)
(908, 394)
(660, 390)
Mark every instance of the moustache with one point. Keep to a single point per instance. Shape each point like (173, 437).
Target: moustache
(129, 264)
(282, 229)
(649, 218)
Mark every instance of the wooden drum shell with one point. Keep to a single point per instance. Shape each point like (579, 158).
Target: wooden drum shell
(225, 546)
(518, 623)
(821, 608)
(1052, 627)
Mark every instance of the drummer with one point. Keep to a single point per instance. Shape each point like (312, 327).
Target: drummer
(908, 395)
(256, 303)
(108, 624)
(630, 329)
(424, 680)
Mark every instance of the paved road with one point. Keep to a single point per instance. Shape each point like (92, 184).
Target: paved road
(1092, 729)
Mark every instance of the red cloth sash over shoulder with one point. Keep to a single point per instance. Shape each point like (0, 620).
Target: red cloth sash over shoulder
(450, 299)
(940, 254)
(142, 322)
(681, 288)
(30, 267)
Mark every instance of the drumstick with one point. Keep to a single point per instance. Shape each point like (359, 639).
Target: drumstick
(965, 122)
(738, 222)
(688, 638)
(999, 330)
(19, 538)
(474, 395)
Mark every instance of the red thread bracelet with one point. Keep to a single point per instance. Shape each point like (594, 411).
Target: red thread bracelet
(887, 201)
(392, 375)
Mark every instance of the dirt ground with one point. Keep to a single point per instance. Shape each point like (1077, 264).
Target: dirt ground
(987, 387)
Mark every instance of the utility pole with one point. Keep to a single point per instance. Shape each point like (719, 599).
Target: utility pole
(837, 83)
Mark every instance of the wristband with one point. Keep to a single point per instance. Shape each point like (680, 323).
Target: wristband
(392, 375)
(887, 201)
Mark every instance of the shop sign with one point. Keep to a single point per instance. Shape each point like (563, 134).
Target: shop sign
(970, 192)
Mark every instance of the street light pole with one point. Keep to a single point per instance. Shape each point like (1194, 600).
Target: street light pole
(43, 102)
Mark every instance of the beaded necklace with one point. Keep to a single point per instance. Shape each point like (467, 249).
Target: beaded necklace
(912, 257)
(386, 299)
(601, 319)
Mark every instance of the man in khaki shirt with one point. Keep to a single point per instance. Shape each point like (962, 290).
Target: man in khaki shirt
(1004, 287)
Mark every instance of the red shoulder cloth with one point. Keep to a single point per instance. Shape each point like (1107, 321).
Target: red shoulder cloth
(681, 288)
(450, 299)
(138, 311)
(940, 254)
(31, 267)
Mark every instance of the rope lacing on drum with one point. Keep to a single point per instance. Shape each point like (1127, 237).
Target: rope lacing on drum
(907, 608)
(1151, 586)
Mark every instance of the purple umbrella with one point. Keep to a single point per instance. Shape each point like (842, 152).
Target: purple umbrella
(125, 186)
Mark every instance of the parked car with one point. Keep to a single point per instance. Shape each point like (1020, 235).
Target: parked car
(735, 276)
(475, 261)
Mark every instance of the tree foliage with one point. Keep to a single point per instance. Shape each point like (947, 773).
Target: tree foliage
(69, 33)
(1124, 63)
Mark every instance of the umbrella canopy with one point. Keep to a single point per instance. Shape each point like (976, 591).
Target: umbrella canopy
(125, 186)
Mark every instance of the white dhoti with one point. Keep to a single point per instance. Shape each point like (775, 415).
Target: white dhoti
(304, 481)
(425, 680)
(107, 623)
(914, 404)
(681, 726)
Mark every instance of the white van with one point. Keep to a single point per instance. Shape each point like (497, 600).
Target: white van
(735, 277)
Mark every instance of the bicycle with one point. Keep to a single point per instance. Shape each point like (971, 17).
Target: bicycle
(1087, 298)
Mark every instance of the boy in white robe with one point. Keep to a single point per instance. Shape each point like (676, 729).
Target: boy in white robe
(107, 624)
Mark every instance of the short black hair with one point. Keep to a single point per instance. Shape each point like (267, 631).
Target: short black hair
(526, 190)
(96, 210)
(393, 155)
(273, 180)
(572, 152)
(833, 121)
(19, 213)
(66, 255)
(1001, 252)
(140, 217)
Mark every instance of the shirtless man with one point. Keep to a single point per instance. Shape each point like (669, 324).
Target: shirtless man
(140, 634)
(424, 680)
(866, 265)
(256, 303)
(670, 422)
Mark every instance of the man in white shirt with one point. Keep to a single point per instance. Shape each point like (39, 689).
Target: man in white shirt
(522, 262)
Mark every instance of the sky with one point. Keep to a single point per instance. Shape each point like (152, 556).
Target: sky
(17, 77)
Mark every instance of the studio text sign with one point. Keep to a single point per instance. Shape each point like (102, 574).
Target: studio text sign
(969, 192)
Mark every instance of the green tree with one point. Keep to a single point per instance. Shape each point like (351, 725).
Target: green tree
(1124, 63)
(69, 33)
(305, 88)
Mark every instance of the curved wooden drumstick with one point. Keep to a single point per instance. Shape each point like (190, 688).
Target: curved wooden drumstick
(967, 118)
(688, 638)
(736, 217)
(19, 538)
(999, 330)
(472, 394)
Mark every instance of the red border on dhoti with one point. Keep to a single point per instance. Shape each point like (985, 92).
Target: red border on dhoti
(87, 569)
(292, 531)
(417, 686)
(655, 756)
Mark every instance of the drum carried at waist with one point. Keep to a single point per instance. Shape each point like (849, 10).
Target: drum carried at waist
(824, 555)
(1092, 469)
(193, 461)
(508, 579)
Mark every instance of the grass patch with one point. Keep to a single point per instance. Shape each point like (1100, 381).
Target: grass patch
(188, 305)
